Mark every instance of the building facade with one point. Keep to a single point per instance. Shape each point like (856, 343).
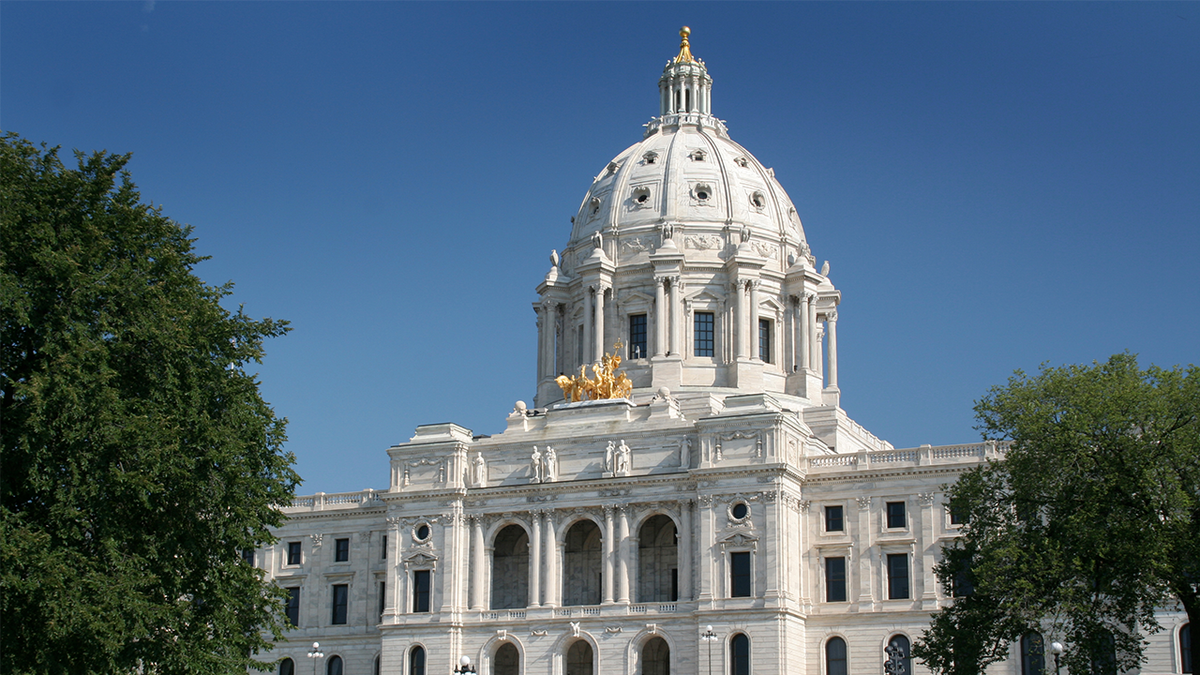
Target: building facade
(726, 517)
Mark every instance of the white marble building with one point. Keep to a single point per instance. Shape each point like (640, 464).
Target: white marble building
(730, 490)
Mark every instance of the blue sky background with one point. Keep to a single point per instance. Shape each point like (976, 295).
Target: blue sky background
(996, 185)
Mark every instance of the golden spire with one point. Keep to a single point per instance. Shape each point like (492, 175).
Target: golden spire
(685, 50)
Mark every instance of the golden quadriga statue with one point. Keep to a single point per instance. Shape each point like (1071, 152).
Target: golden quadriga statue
(608, 383)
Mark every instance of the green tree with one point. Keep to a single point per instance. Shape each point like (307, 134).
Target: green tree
(139, 459)
(1089, 523)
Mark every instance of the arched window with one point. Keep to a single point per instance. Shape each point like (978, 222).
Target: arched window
(835, 656)
(287, 667)
(376, 667)
(1185, 648)
(739, 661)
(508, 660)
(656, 657)
(416, 661)
(579, 658)
(1033, 654)
(898, 656)
(658, 566)
(1104, 659)
(334, 667)
(510, 569)
(581, 565)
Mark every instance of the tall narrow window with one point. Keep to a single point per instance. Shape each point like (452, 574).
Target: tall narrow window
(292, 609)
(248, 556)
(897, 568)
(341, 599)
(656, 657)
(507, 660)
(421, 591)
(293, 555)
(287, 667)
(764, 340)
(382, 599)
(583, 556)
(383, 555)
(657, 559)
(898, 656)
(579, 658)
(1104, 658)
(834, 519)
(835, 656)
(376, 668)
(703, 329)
(334, 667)
(416, 661)
(341, 550)
(835, 580)
(739, 574)
(1185, 648)
(1033, 654)
(510, 568)
(895, 515)
(739, 662)
(637, 336)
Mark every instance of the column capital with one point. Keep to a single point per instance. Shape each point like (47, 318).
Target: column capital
(832, 316)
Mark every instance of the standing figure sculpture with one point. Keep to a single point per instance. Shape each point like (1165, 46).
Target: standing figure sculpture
(610, 457)
(535, 466)
(623, 459)
(550, 472)
(479, 479)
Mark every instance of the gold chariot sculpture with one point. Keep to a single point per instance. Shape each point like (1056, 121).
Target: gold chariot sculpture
(608, 383)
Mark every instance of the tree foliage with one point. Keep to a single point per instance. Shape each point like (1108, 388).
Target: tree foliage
(139, 459)
(1089, 524)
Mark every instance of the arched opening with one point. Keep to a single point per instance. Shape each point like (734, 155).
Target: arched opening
(510, 568)
(287, 667)
(898, 656)
(334, 667)
(1185, 649)
(658, 561)
(508, 660)
(581, 564)
(375, 669)
(656, 657)
(579, 658)
(739, 655)
(416, 661)
(1104, 656)
(835, 656)
(1033, 654)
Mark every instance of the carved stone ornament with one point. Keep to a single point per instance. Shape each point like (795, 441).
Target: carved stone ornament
(634, 244)
(740, 539)
(612, 629)
(863, 502)
(575, 628)
(764, 249)
(926, 498)
(316, 539)
(539, 632)
(702, 242)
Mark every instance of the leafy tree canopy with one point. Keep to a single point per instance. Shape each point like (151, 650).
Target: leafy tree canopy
(1089, 524)
(139, 459)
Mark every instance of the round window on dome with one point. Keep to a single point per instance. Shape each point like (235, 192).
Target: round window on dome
(641, 196)
(758, 200)
(703, 192)
(421, 532)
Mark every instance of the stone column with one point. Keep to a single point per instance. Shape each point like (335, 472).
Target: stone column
(739, 342)
(587, 324)
(608, 568)
(684, 550)
(535, 559)
(553, 588)
(541, 342)
(832, 319)
(775, 565)
(660, 316)
(478, 563)
(676, 316)
(623, 554)
(705, 560)
(391, 604)
(811, 343)
(598, 340)
(753, 323)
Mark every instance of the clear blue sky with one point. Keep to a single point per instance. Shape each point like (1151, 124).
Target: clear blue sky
(996, 185)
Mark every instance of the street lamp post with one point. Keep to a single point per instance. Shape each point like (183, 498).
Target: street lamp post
(710, 637)
(1056, 649)
(464, 666)
(314, 654)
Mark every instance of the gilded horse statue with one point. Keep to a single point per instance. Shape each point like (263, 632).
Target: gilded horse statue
(607, 383)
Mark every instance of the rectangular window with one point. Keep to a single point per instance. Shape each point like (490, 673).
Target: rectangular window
(292, 610)
(637, 336)
(248, 556)
(835, 580)
(384, 554)
(382, 599)
(421, 591)
(764, 340)
(897, 568)
(341, 601)
(956, 517)
(739, 574)
(895, 516)
(833, 519)
(703, 329)
(293, 557)
(341, 550)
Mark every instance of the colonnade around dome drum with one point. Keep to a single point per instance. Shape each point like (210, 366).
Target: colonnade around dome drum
(590, 570)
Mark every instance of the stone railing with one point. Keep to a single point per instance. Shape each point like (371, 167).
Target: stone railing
(335, 501)
(926, 455)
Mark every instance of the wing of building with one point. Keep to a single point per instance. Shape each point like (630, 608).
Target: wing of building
(727, 516)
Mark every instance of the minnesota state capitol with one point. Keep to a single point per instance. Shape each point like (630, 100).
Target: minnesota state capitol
(725, 517)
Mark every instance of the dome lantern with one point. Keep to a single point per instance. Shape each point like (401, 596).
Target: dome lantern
(685, 87)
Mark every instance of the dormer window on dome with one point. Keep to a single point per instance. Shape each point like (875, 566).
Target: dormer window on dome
(650, 157)
(698, 155)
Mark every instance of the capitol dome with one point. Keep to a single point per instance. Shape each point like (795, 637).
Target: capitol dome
(688, 252)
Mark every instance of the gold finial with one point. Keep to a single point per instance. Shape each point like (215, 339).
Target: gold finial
(685, 50)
